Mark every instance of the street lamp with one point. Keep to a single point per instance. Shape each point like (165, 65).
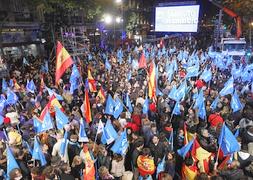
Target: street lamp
(118, 19)
(118, 1)
(107, 19)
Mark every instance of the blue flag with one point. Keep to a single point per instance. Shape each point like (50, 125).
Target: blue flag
(36, 125)
(118, 108)
(237, 132)
(37, 153)
(215, 103)
(176, 109)
(74, 79)
(74, 74)
(227, 141)
(4, 86)
(184, 150)
(28, 147)
(129, 104)
(235, 103)
(199, 100)
(64, 142)
(12, 98)
(11, 161)
(109, 133)
(145, 106)
(228, 87)
(1, 119)
(192, 71)
(47, 123)
(121, 144)
(82, 134)
(202, 111)
(206, 75)
(11, 83)
(30, 86)
(129, 75)
(51, 93)
(173, 92)
(180, 94)
(61, 118)
(2, 103)
(109, 108)
(160, 167)
(107, 65)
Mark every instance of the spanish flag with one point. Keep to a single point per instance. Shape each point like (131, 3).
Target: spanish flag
(92, 82)
(201, 156)
(152, 81)
(189, 172)
(50, 107)
(187, 135)
(87, 111)
(146, 165)
(142, 61)
(63, 61)
(101, 94)
(89, 172)
(16, 85)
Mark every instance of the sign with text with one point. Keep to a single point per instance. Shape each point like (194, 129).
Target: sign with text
(177, 18)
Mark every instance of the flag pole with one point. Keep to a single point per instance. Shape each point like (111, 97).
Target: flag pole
(93, 148)
(216, 162)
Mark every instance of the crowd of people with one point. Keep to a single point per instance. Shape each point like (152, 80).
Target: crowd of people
(157, 133)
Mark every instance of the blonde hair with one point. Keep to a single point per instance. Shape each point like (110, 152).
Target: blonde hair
(76, 161)
(103, 171)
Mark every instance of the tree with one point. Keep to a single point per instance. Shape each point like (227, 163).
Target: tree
(131, 24)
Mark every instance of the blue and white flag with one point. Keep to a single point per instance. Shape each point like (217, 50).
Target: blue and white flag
(121, 144)
(118, 108)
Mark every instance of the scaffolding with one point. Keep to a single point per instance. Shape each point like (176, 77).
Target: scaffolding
(74, 40)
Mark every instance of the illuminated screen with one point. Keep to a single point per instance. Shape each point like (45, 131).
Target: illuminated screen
(177, 19)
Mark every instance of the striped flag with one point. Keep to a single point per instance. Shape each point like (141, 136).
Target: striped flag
(92, 82)
(63, 61)
(89, 172)
(152, 81)
(101, 95)
(87, 110)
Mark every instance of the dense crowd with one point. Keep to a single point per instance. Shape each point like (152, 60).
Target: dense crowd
(157, 130)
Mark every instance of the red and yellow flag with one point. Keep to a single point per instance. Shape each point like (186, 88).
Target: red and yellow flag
(92, 82)
(152, 81)
(63, 61)
(146, 165)
(16, 85)
(87, 110)
(142, 61)
(50, 107)
(89, 172)
(201, 156)
(187, 135)
(101, 95)
(189, 172)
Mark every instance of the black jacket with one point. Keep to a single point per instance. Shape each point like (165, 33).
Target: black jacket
(207, 144)
(157, 151)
